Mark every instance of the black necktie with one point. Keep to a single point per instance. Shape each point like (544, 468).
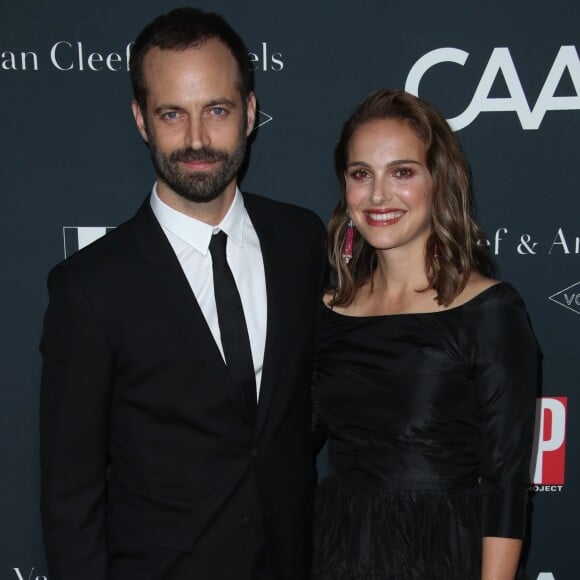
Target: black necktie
(232, 323)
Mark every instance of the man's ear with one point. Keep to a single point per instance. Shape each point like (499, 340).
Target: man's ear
(139, 120)
(251, 112)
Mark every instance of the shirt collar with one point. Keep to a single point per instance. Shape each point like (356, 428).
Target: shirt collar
(196, 233)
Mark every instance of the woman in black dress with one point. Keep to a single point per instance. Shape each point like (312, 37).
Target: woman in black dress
(427, 367)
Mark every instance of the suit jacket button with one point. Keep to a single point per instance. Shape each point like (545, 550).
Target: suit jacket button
(246, 521)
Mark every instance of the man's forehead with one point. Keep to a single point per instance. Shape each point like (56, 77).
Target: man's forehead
(206, 71)
(209, 47)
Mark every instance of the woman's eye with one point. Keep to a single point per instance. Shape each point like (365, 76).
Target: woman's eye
(359, 174)
(403, 172)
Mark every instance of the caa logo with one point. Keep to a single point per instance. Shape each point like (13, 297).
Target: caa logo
(501, 61)
(76, 238)
(548, 469)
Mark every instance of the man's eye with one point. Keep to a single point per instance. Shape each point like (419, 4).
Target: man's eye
(171, 115)
(218, 111)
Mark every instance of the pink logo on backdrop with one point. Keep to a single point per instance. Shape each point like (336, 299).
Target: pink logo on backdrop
(549, 462)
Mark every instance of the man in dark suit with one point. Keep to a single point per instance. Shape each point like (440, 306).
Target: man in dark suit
(163, 456)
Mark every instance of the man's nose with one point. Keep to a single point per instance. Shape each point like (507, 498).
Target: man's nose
(196, 136)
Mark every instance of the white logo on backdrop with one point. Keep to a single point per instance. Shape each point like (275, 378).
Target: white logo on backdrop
(265, 60)
(562, 242)
(64, 55)
(23, 574)
(501, 61)
(76, 238)
(568, 298)
(67, 56)
(263, 119)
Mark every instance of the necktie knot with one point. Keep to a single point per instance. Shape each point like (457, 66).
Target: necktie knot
(217, 247)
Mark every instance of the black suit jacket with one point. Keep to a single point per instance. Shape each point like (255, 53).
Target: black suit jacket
(150, 466)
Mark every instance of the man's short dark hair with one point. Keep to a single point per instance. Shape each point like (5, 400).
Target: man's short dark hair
(181, 29)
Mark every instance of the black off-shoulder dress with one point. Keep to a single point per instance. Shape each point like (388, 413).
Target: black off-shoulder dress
(429, 419)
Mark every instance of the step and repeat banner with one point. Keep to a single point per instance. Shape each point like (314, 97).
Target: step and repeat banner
(506, 74)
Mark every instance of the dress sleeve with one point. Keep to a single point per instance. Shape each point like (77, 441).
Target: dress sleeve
(507, 376)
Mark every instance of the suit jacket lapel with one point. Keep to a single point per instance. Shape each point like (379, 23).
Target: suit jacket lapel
(165, 277)
(270, 245)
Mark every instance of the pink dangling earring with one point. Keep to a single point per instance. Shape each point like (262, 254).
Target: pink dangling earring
(348, 242)
(436, 250)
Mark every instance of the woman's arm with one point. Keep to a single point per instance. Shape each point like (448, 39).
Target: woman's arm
(500, 558)
(507, 379)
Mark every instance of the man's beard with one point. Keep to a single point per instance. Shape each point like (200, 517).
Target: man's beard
(198, 186)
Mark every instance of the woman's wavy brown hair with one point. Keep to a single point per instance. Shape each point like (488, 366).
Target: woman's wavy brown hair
(454, 249)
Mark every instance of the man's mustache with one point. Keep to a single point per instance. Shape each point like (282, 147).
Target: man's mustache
(205, 154)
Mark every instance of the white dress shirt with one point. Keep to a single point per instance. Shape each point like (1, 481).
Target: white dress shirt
(190, 239)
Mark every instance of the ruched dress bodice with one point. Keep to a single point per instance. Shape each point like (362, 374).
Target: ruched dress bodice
(429, 419)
